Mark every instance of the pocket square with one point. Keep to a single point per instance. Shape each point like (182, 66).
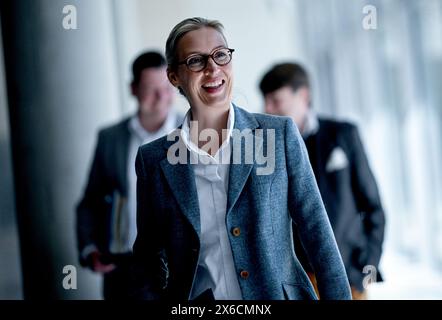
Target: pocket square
(337, 160)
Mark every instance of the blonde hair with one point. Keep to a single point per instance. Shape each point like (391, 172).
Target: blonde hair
(185, 26)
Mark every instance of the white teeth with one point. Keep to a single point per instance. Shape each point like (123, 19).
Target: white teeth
(213, 84)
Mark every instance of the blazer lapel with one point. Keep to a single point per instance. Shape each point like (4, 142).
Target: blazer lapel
(239, 173)
(121, 155)
(237, 179)
(324, 146)
(181, 180)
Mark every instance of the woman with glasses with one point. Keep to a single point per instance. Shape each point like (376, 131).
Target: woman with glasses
(211, 223)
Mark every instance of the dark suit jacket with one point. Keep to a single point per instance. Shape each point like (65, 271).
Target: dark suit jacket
(108, 175)
(167, 247)
(351, 197)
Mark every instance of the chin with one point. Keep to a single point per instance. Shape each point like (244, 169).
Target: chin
(218, 104)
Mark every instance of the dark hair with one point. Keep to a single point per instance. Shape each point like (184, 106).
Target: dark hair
(151, 59)
(284, 74)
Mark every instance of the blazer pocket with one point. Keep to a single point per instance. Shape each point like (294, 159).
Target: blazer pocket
(337, 160)
(298, 292)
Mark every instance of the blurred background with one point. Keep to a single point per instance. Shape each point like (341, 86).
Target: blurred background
(58, 86)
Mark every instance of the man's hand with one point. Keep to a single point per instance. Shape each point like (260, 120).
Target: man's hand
(97, 265)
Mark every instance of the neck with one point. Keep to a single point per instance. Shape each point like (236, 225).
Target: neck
(151, 123)
(210, 118)
(301, 126)
(301, 123)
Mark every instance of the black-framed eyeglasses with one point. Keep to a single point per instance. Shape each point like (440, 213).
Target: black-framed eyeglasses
(198, 62)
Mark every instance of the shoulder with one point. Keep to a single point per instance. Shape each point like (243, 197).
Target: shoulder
(155, 151)
(271, 121)
(343, 127)
(259, 120)
(116, 129)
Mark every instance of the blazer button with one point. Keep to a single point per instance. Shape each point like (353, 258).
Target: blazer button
(244, 274)
(236, 232)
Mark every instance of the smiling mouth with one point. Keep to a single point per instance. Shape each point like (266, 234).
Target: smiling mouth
(214, 86)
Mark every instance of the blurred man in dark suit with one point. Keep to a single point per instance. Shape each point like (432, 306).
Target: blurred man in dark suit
(341, 168)
(106, 215)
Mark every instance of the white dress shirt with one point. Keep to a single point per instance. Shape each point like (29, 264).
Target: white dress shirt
(138, 137)
(311, 124)
(216, 269)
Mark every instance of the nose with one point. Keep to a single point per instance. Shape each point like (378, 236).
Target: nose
(163, 94)
(211, 66)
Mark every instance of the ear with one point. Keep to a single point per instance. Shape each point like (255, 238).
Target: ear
(173, 78)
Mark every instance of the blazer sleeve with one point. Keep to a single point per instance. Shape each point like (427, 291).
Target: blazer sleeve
(91, 204)
(367, 200)
(150, 271)
(308, 212)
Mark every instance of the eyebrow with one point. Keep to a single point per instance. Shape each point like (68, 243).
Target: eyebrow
(201, 53)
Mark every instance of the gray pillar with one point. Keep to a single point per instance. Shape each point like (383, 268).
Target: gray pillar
(10, 275)
(61, 86)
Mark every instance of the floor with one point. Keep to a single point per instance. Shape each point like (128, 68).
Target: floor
(406, 280)
(10, 275)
